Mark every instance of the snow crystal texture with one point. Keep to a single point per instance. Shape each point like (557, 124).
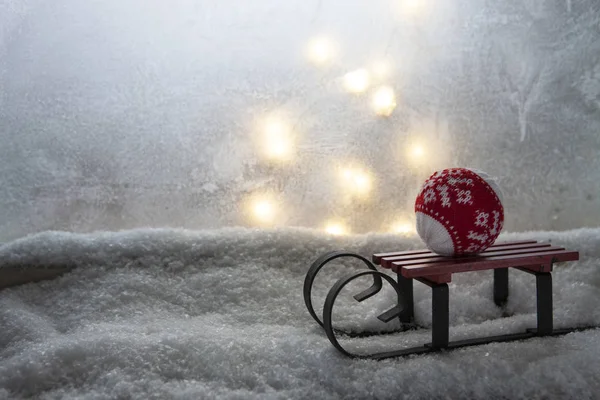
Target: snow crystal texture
(156, 314)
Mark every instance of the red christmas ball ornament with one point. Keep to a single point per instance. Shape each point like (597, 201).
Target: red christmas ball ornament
(459, 211)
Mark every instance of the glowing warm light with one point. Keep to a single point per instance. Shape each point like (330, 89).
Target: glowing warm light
(362, 182)
(414, 8)
(357, 81)
(427, 144)
(347, 174)
(263, 209)
(416, 153)
(336, 228)
(384, 101)
(356, 180)
(278, 141)
(278, 149)
(404, 228)
(321, 50)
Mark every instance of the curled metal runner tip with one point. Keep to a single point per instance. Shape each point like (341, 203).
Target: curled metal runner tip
(333, 294)
(320, 263)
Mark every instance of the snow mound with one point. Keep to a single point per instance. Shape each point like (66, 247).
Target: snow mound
(219, 314)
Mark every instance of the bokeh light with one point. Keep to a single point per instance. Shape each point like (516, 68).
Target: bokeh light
(357, 181)
(277, 139)
(384, 101)
(404, 227)
(357, 81)
(417, 152)
(337, 228)
(321, 50)
(427, 145)
(263, 209)
(411, 9)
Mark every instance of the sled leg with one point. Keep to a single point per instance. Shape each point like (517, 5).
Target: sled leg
(440, 310)
(544, 303)
(406, 299)
(500, 286)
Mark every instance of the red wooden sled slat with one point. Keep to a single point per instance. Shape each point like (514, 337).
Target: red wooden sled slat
(377, 257)
(543, 262)
(387, 263)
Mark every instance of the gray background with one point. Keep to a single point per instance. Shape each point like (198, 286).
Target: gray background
(121, 114)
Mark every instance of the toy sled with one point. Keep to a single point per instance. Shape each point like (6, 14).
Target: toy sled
(436, 271)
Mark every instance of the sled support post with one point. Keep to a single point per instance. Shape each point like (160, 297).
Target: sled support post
(440, 314)
(500, 286)
(440, 310)
(543, 282)
(406, 300)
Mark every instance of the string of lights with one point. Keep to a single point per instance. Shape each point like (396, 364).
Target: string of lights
(277, 142)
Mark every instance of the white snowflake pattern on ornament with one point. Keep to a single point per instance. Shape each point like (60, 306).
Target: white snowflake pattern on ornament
(496, 223)
(456, 181)
(481, 219)
(430, 184)
(480, 237)
(464, 197)
(429, 196)
(473, 248)
(443, 191)
(446, 201)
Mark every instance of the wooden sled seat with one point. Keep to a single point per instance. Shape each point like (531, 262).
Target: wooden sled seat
(436, 271)
(423, 264)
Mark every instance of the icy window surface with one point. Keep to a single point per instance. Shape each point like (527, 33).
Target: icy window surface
(198, 114)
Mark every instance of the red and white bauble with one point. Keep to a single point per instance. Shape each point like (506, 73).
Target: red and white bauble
(459, 211)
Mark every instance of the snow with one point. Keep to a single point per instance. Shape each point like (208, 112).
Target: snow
(165, 313)
(120, 117)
